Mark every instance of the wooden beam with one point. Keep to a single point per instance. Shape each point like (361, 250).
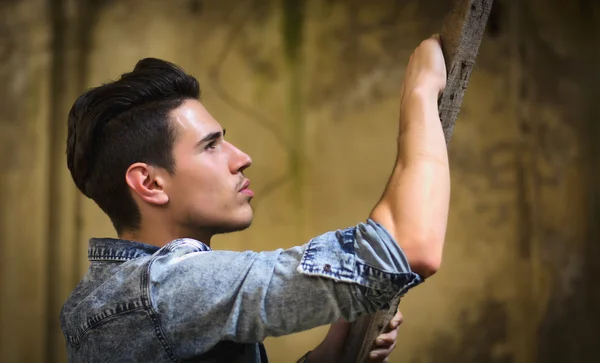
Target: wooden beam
(461, 36)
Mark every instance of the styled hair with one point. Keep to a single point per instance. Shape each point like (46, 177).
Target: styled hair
(117, 124)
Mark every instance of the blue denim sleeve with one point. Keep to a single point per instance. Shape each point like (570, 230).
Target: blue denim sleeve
(203, 297)
(365, 255)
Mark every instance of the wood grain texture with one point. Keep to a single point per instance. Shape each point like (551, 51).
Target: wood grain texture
(461, 36)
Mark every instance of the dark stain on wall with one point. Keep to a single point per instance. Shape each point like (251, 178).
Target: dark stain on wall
(13, 52)
(567, 332)
(483, 338)
(293, 25)
(353, 75)
(70, 48)
(495, 26)
(562, 81)
(196, 7)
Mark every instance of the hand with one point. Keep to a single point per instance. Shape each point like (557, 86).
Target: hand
(426, 70)
(330, 349)
(386, 343)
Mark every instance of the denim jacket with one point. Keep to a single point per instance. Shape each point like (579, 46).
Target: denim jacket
(186, 303)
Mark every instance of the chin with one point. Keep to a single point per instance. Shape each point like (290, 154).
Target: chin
(232, 226)
(245, 221)
(226, 223)
(244, 225)
(240, 223)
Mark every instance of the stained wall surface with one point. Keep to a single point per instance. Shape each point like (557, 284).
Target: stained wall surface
(310, 90)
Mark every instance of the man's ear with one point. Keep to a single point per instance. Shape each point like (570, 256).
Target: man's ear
(147, 182)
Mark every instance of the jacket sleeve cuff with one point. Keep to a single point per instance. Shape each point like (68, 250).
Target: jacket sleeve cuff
(365, 255)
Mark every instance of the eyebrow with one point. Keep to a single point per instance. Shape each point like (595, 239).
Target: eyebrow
(211, 136)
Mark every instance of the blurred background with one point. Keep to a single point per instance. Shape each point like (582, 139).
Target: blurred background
(310, 89)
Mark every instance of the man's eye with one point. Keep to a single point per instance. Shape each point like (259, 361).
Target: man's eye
(211, 145)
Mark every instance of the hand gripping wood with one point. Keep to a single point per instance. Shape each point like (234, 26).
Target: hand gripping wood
(461, 36)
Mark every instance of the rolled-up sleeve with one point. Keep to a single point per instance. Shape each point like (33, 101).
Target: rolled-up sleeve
(203, 297)
(365, 255)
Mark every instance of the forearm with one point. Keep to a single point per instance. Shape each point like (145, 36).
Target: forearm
(414, 205)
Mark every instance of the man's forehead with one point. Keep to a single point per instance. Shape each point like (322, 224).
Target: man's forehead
(192, 118)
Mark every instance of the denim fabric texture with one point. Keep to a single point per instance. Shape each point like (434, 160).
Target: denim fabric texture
(187, 303)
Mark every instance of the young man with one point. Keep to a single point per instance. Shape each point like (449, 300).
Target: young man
(152, 157)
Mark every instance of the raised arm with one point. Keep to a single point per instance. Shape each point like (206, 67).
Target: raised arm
(202, 298)
(414, 205)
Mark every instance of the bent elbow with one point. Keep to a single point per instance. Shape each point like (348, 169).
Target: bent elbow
(425, 258)
(426, 266)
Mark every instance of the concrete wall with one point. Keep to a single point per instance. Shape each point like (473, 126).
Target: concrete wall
(310, 90)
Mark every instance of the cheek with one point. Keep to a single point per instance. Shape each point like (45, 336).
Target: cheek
(197, 182)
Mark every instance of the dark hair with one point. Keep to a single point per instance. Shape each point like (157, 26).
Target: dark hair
(123, 122)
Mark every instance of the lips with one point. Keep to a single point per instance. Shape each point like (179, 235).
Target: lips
(245, 184)
(245, 189)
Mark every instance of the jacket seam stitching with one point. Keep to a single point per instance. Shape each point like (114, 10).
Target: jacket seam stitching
(76, 339)
(158, 330)
(386, 274)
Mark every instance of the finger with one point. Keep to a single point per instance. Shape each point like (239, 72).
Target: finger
(378, 355)
(396, 320)
(382, 344)
(388, 348)
(387, 338)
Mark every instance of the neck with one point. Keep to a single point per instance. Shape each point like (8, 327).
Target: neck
(160, 237)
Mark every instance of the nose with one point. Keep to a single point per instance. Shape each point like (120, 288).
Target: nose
(239, 160)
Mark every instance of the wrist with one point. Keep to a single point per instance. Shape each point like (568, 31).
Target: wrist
(419, 107)
(422, 93)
